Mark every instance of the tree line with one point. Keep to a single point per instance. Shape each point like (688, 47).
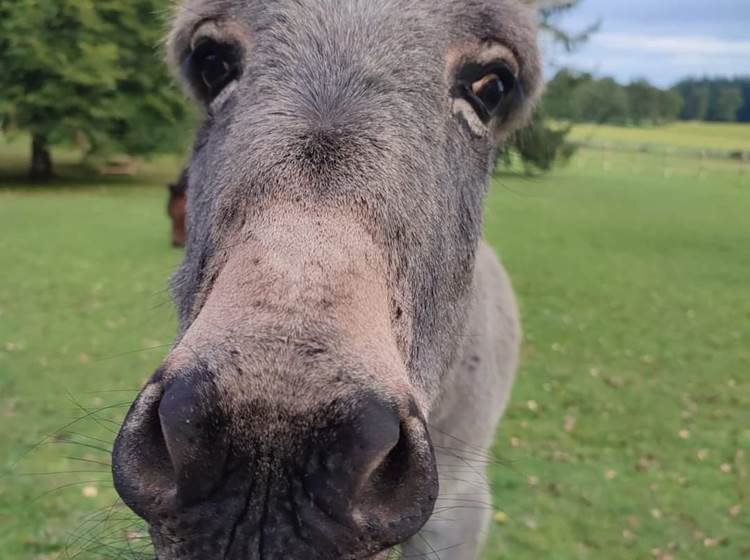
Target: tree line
(719, 100)
(89, 72)
(581, 97)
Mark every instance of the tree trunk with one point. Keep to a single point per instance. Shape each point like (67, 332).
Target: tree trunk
(41, 159)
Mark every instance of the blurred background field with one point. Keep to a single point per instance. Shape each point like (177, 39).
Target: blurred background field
(695, 138)
(629, 431)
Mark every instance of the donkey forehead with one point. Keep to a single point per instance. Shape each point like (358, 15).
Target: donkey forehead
(388, 34)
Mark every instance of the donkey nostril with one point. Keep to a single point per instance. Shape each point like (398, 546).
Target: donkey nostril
(194, 437)
(372, 468)
(172, 447)
(377, 430)
(348, 454)
(394, 467)
(179, 421)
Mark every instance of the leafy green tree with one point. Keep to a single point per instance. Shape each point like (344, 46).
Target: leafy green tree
(721, 99)
(670, 105)
(541, 145)
(743, 115)
(649, 104)
(697, 98)
(560, 98)
(726, 101)
(86, 68)
(643, 102)
(577, 97)
(602, 101)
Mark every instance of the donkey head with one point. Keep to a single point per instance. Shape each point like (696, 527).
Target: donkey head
(336, 193)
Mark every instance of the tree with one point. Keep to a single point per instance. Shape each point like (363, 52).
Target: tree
(541, 145)
(643, 102)
(602, 101)
(726, 101)
(721, 99)
(697, 97)
(670, 105)
(649, 104)
(550, 10)
(89, 68)
(578, 97)
(743, 115)
(560, 98)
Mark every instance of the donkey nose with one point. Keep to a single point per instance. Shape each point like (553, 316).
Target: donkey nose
(360, 461)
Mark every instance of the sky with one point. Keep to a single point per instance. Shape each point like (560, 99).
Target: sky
(660, 40)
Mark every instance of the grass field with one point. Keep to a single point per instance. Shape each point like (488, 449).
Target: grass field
(678, 137)
(629, 432)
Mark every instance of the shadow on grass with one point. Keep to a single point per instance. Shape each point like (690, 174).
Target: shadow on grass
(73, 171)
(77, 176)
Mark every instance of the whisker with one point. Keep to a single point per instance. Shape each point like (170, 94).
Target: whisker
(131, 352)
(82, 444)
(92, 461)
(108, 391)
(100, 483)
(58, 473)
(46, 439)
(432, 550)
(99, 440)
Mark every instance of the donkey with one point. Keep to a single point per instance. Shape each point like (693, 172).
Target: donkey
(347, 343)
(177, 210)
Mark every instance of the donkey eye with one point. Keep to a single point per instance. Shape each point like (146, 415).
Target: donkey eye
(489, 89)
(214, 65)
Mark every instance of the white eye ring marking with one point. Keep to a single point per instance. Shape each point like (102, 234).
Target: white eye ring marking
(223, 97)
(463, 109)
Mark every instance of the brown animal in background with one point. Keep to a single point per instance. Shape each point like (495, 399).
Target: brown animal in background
(177, 210)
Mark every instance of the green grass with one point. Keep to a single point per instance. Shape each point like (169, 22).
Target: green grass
(680, 136)
(629, 429)
(634, 284)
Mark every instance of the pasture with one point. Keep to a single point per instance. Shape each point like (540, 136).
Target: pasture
(675, 137)
(628, 436)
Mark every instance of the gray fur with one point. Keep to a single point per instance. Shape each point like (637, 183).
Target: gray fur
(343, 118)
(472, 400)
